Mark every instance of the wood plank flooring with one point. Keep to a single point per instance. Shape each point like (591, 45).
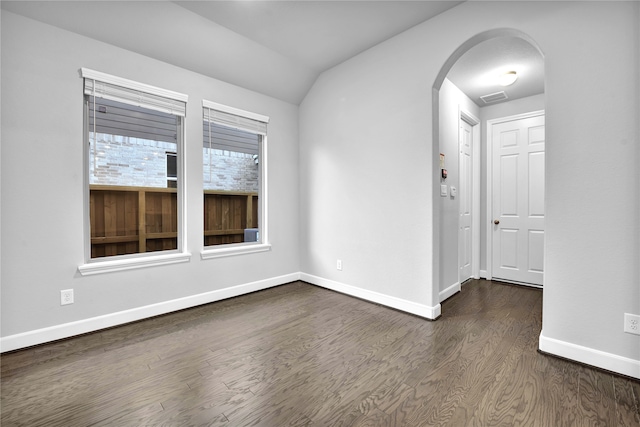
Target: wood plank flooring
(299, 355)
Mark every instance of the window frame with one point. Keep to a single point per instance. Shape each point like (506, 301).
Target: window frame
(114, 263)
(263, 245)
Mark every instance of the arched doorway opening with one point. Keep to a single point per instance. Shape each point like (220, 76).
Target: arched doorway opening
(462, 199)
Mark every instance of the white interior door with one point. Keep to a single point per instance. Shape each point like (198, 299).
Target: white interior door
(518, 200)
(465, 192)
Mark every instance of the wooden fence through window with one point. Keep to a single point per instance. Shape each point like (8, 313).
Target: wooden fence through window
(128, 220)
(227, 214)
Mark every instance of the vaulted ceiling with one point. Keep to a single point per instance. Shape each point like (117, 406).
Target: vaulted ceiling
(278, 48)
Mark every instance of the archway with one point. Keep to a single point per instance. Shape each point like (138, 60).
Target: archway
(441, 236)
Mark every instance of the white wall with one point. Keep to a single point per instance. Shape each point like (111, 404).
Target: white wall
(452, 101)
(365, 186)
(42, 186)
(367, 173)
(374, 109)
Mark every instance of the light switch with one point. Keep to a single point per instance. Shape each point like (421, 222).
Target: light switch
(443, 190)
(454, 192)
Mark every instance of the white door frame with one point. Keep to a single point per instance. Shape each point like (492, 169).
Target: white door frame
(464, 115)
(489, 164)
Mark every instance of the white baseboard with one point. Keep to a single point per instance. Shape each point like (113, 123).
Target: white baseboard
(590, 356)
(378, 298)
(450, 291)
(66, 330)
(483, 274)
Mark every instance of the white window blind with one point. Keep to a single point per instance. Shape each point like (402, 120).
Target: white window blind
(103, 85)
(235, 118)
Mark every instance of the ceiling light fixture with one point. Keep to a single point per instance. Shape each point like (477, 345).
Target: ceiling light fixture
(508, 78)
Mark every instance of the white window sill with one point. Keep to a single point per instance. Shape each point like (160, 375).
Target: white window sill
(100, 266)
(231, 250)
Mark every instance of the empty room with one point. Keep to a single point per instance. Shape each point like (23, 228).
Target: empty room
(327, 213)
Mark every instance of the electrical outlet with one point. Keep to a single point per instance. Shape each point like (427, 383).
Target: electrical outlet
(339, 264)
(66, 297)
(632, 323)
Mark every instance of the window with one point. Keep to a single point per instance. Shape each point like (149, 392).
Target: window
(234, 172)
(134, 136)
(172, 170)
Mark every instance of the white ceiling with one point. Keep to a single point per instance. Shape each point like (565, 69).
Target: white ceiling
(476, 72)
(318, 34)
(273, 47)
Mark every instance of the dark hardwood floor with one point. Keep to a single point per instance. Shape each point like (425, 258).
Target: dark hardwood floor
(300, 355)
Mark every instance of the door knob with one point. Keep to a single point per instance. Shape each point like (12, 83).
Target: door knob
(496, 221)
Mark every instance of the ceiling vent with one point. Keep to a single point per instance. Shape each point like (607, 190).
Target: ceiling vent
(494, 97)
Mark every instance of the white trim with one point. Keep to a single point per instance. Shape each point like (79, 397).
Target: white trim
(131, 84)
(475, 202)
(66, 330)
(515, 282)
(183, 206)
(86, 179)
(139, 260)
(110, 265)
(483, 274)
(263, 197)
(468, 117)
(515, 117)
(600, 359)
(489, 192)
(225, 250)
(217, 251)
(489, 163)
(450, 291)
(142, 259)
(222, 251)
(411, 307)
(474, 122)
(235, 111)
